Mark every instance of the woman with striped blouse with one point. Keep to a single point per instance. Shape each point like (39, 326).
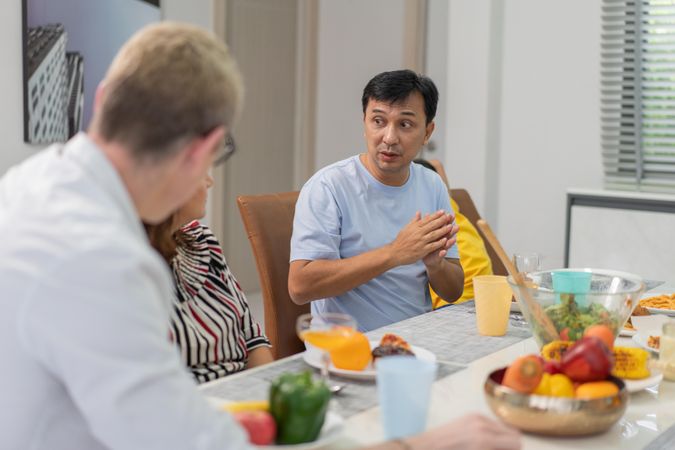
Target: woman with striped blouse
(211, 321)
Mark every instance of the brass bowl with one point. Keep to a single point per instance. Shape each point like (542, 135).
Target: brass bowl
(554, 416)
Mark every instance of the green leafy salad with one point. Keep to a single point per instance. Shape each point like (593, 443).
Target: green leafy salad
(571, 319)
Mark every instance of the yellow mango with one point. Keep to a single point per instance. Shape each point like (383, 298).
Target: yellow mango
(544, 386)
(561, 386)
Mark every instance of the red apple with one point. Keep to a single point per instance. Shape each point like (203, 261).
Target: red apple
(260, 425)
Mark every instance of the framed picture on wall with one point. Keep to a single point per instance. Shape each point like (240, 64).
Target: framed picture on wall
(67, 48)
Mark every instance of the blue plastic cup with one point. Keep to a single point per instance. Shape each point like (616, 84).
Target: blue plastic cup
(577, 283)
(404, 388)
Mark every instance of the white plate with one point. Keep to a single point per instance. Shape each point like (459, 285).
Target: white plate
(331, 431)
(312, 357)
(642, 339)
(667, 312)
(638, 385)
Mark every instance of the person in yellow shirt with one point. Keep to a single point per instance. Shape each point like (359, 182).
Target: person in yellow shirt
(472, 252)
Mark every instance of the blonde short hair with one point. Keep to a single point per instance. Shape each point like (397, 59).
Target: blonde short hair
(170, 82)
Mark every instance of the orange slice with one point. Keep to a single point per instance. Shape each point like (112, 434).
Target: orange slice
(354, 354)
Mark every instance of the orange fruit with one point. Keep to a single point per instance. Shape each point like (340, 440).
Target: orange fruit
(354, 354)
(602, 332)
(596, 389)
(544, 386)
(561, 386)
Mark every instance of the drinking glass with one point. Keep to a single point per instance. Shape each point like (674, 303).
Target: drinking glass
(492, 295)
(571, 282)
(667, 351)
(527, 263)
(404, 388)
(328, 332)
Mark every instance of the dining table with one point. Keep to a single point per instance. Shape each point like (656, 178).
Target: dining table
(465, 358)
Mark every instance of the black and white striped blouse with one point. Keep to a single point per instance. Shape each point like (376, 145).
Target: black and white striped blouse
(211, 321)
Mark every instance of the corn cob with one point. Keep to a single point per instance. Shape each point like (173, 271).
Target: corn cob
(631, 363)
(554, 350)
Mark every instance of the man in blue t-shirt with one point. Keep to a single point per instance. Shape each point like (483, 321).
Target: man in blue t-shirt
(370, 232)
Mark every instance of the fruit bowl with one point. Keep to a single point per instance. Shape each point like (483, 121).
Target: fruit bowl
(554, 416)
(564, 302)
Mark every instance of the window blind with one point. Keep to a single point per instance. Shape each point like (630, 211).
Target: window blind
(638, 94)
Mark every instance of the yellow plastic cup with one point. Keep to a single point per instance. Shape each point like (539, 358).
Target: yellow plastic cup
(492, 294)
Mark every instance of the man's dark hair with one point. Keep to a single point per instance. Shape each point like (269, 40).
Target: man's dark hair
(397, 85)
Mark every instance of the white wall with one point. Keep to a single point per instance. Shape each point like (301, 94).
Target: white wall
(357, 40)
(550, 118)
(196, 12)
(537, 131)
(436, 67)
(467, 98)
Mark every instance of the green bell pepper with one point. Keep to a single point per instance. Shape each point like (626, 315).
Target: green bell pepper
(298, 404)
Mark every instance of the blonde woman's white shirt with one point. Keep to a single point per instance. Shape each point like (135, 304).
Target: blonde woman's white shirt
(84, 334)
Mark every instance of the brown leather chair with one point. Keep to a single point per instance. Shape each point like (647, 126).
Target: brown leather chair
(468, 208)
(268, 221)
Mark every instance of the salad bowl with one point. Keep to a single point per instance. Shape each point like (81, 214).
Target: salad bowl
(594, 297)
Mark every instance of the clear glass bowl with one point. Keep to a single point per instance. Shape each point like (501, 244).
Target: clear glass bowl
(607, 297)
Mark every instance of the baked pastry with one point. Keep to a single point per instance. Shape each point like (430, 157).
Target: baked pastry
(640, 311)
(654, 342)
(390, 345)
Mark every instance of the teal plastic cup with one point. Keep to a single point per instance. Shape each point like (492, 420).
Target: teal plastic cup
(404, 388)
(572, 282)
